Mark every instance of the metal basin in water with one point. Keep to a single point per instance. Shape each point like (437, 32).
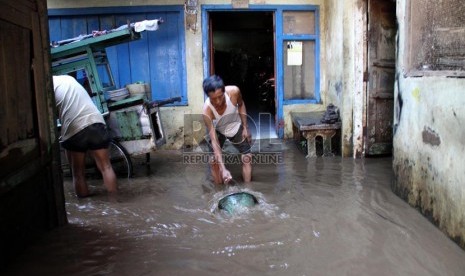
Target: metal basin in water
(236, 202)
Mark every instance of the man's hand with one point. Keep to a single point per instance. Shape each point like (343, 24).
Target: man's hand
(226, 176)
(246, 134)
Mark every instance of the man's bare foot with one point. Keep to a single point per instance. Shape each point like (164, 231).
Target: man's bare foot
(113, 197)
(85, 195)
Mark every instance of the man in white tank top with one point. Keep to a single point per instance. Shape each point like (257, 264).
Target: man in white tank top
(83, 129)
(225, 116)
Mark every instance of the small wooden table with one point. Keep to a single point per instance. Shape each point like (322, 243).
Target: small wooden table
(309, 126)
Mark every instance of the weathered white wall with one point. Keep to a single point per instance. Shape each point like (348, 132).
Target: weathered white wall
(429, 143)
(344, 43)
(339, 60)
(334, 46)
(336, 63)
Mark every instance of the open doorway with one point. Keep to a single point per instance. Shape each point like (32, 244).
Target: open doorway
(242, 53)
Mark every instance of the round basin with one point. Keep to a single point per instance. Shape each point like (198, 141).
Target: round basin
(237, 202)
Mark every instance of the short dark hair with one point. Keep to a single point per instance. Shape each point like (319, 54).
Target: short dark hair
(212, 83)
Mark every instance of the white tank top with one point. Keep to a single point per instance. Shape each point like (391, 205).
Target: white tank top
(76, 109)
(227, 124)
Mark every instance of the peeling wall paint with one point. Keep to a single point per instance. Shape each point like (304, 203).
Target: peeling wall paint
(430, 137)
(429, 144)
(334, 50)
(359, 88)
(416, 94)
(338, 38)
(351, 75)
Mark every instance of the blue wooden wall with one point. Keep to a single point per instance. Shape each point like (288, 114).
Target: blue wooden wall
(158, 58)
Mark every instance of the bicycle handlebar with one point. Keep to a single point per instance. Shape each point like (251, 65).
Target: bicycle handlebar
(158, 103)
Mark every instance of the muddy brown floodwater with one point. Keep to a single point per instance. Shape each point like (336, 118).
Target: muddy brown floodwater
(319, 216)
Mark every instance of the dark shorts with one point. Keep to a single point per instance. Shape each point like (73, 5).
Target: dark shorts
(93, 137)
(242, 145)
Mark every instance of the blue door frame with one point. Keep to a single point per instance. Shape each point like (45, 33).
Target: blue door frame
(279, 51)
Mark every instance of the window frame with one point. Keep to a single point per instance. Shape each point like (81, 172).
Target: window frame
(281, 37)
(409, 48)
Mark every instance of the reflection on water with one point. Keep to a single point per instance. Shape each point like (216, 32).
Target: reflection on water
(314, 216)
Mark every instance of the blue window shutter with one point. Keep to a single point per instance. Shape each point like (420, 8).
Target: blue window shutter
(157, 58)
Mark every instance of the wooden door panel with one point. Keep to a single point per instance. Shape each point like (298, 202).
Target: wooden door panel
(18, 134)
(381, 70)
(30, 180)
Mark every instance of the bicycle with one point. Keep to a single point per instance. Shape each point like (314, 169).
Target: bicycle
(119, 158)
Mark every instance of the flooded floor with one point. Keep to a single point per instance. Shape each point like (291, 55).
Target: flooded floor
(320, 216)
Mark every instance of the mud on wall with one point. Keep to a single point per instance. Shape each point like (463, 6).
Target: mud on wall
(428, 144)
(334, 51)
(334, 60)
(428, 151)
(429, 148)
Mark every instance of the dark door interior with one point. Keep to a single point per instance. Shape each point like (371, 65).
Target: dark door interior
(242, 45)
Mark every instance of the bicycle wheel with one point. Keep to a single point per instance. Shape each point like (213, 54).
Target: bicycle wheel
(120, 160)
(65, 167)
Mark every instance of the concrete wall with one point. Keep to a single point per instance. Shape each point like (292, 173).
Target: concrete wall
(344, 41)
(429, 143)
(339, 57)
(336, 63)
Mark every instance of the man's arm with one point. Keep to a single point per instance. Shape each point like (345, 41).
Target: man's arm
(237, 96)
(207, 117)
